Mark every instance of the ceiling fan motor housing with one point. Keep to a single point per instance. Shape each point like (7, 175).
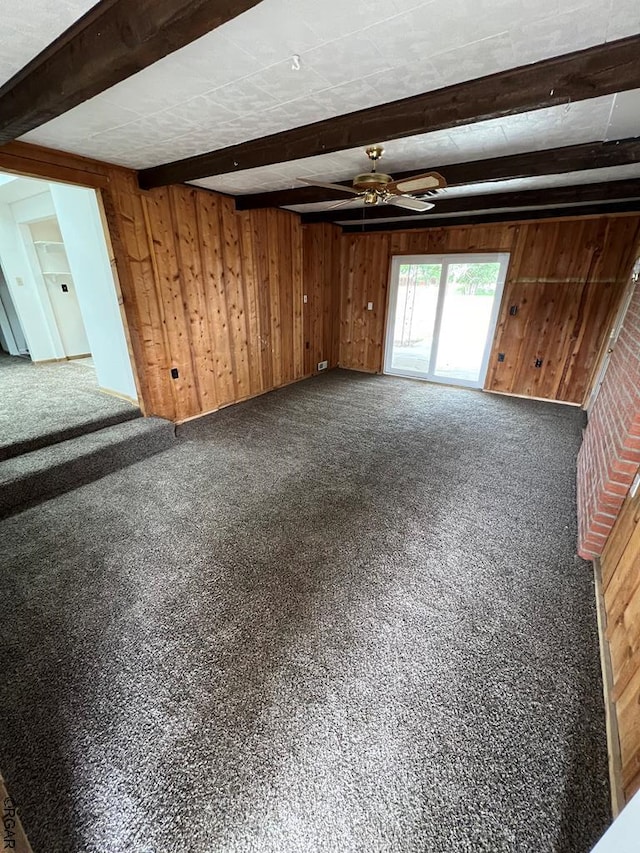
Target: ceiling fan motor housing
(371, 181)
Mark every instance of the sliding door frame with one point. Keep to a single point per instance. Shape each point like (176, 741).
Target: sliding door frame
(444, 260)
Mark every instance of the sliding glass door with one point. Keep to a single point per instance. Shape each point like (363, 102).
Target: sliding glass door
(442, 316)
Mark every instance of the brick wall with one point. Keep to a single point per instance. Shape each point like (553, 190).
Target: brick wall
(610, 454)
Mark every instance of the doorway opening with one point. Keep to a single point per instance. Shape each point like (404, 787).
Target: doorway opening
(64, 355)
(442, 316)
(53, 264)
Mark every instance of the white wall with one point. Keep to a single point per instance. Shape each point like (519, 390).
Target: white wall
(11, 334)
(27, 289)
(35, 207)
(83, 235)
(624, 834)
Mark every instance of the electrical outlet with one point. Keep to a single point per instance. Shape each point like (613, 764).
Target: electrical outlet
(369, 306)
(174, 373)
(538, 362)
(513, 310)
(304, 298)
(20, 282)
(500, 356)
(322, 365)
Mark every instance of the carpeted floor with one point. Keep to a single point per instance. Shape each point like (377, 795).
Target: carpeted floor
(346, 616)
(42, 399)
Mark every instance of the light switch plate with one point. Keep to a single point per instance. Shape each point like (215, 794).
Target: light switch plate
(369, 306)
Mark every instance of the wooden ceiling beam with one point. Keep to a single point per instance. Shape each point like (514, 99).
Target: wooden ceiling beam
(596, 71)
(552, 161)
(572, 212)
(576, 194)
(115, 39)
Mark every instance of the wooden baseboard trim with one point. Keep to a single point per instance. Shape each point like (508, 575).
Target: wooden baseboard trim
(357, 369)
(119, 396)
(611, 720)
(527, 397)
(61, 360)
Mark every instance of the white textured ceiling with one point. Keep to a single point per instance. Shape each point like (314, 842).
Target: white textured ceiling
(237, 82)
(28, 26)
(610, 117)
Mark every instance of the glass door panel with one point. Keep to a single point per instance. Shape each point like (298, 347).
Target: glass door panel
(442, 316)
(469, 296)
(415, 317)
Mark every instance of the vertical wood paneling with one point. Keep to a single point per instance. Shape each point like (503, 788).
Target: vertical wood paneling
(159, 218)
(145, 312)
(189, 255)
(565, 278)
(621, 583)
(215, 296)
(251, 307)
(219, 295)
(295, 261)
(365, 273)
(320, 281)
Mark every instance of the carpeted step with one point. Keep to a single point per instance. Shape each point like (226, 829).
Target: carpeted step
(41, 474)
(82, 427)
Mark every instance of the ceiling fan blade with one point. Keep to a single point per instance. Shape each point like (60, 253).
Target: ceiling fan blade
(328, 186)
(428, 181)
(342, 203)
(409, 202)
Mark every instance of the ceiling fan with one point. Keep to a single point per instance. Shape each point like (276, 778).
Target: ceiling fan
(377, 188)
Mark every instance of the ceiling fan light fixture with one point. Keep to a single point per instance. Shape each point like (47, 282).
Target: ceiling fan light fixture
(374, 187)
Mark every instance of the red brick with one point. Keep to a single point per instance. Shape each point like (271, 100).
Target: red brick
(610, 454)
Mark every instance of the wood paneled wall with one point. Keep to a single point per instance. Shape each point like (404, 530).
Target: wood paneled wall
(620, 565)
(565, 276)
(566, 279)
(219, 294)
(321, 275)
(215, 294)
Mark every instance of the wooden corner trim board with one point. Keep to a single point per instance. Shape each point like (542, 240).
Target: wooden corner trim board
(112, 41)
(550, 161)
(611, 719)
(596, 71)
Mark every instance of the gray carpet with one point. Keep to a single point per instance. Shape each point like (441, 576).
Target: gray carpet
(33, 477)
(346, 616)
(43, 403)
